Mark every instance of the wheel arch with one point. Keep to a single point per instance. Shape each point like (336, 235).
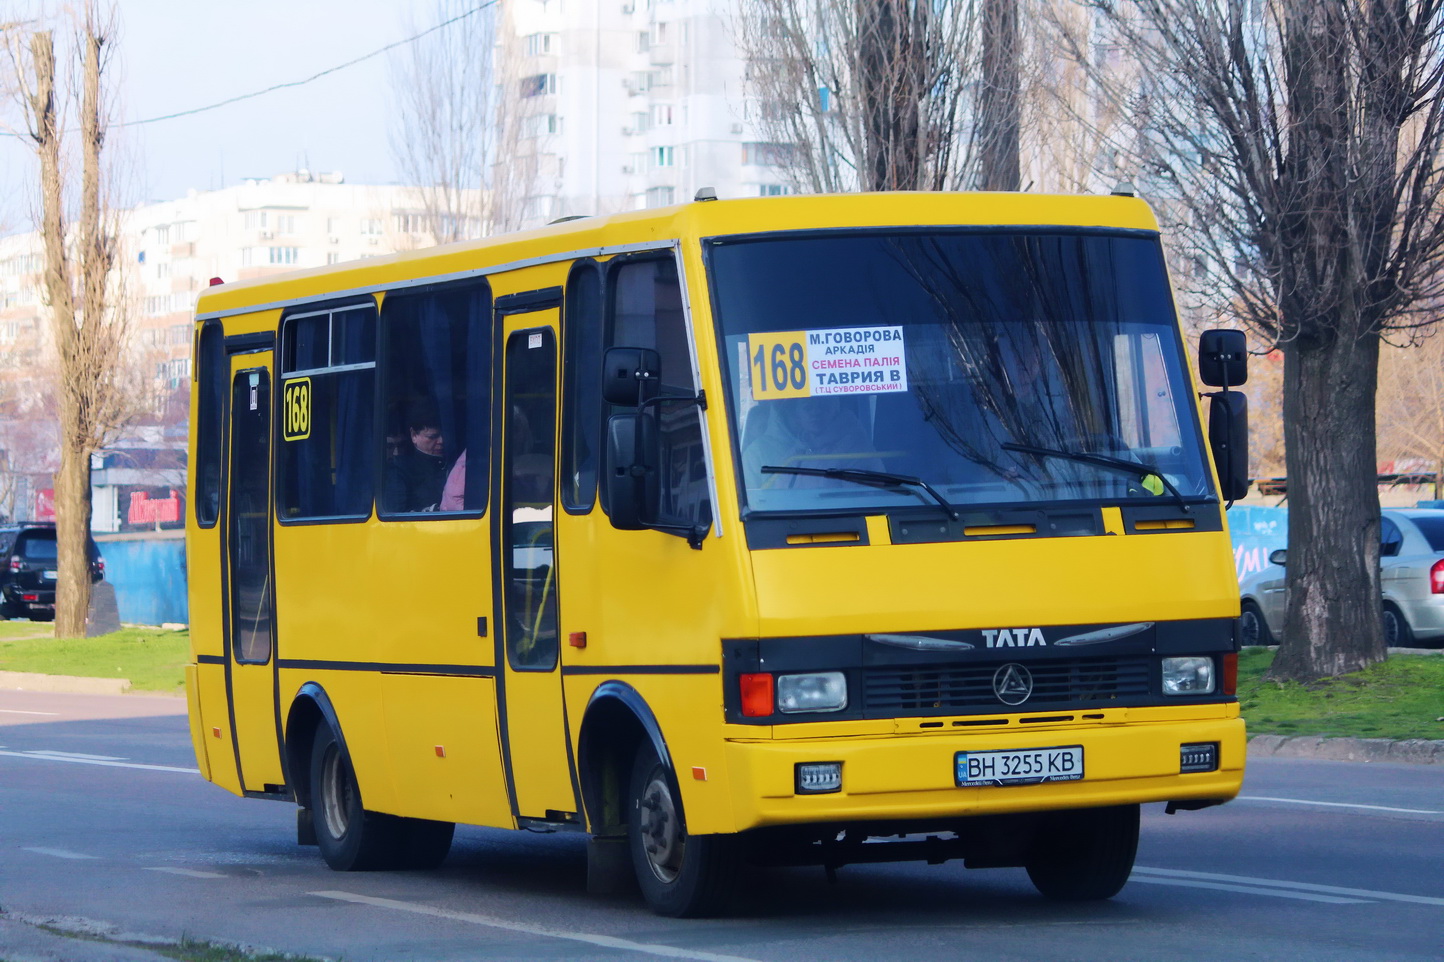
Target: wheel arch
(616, 721)
(310, 709)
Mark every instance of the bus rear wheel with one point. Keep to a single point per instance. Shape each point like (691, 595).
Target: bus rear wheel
(681, 875)
(1086, 854)
(351, 839)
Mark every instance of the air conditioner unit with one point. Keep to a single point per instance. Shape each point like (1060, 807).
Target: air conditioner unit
(627, 8)
(737, 128)
(267, 235)
(333, 240)
(373, 241)
(628, 132)
(627, 169)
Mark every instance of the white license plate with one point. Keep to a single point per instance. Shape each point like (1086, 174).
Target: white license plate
(50, 575)
(1026, 766)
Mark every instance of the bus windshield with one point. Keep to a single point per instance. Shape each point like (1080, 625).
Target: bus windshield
(877, 370)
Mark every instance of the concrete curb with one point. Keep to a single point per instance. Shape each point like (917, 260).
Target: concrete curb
(1416, 751)
(69, 684)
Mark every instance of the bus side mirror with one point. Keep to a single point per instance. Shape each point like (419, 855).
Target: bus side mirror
(1228, 437)
(1223, 358)
(631, 375)
(634, 492)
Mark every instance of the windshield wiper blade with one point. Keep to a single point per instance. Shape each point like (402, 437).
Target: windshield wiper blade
(877, 479)
(1137, 468)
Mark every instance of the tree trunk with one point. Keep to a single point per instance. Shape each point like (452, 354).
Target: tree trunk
(1333, 623)
(72, 529)
(998, 111)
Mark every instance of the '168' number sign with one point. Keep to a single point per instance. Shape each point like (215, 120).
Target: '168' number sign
(296, 409)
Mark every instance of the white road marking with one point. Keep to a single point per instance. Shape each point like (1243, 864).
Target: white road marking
(1301, 886)
(18, 711)
(90, 761)
(1306, 801)
(187, 872)
(603, 941)
(1246, 889)
(80, 755)
(61, 853)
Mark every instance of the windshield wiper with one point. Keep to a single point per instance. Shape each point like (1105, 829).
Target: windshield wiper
(877, 479)
(1137, 468)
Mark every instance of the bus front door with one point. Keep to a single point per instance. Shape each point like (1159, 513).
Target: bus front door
(250, 634)
(533, 723)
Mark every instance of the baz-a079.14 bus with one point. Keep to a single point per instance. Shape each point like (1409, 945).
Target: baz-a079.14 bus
(793, 530)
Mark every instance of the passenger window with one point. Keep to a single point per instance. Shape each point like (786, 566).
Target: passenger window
(213, 375)
(328, 376)
(1391, 539)
(582, 386)
(646, 311)
(436, 399)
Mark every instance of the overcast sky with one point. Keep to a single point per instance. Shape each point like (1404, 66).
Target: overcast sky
(175, 56)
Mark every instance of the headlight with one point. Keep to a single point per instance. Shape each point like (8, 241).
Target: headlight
(1188, 676)
(819, 691)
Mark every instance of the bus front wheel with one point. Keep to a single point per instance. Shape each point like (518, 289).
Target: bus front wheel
(1084, 855)
(681, 875)
(351, 839)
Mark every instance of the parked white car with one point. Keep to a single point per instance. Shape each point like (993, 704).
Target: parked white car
(1411, 561)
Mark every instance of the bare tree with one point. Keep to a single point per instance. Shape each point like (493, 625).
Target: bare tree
(456, 122)
(89, 333)
(1299, 144)
(997, 124)
(863, 94)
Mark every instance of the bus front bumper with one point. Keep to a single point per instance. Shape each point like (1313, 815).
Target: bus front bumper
(894, 777)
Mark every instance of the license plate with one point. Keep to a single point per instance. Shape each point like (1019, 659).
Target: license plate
(1026, 766)
(50, 576)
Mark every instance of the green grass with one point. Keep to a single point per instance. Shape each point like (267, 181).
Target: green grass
(1400, 698)
(153, 659)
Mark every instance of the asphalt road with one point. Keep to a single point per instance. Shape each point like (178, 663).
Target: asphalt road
(103, 819)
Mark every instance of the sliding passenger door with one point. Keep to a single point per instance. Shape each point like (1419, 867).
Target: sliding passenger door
(249, 579)
(533, 722)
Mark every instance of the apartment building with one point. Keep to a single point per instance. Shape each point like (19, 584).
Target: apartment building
(628, 104)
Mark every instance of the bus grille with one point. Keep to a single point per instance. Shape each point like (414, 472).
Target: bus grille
(942, 689)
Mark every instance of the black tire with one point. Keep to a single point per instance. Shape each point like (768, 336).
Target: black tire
(1084, 855)
(680, 876)
(423, 844)
(1397, 633)
(351, 839)
(1252, 628)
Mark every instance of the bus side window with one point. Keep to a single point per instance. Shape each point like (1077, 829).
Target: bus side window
(328, 368)
(436, 378)
(646, 311)
(582, 387)
(213, 374)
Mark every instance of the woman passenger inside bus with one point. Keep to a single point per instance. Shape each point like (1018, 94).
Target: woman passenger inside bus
(414, 478)
(806, 432)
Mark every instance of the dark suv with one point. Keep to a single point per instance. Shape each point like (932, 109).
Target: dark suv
(28, 560)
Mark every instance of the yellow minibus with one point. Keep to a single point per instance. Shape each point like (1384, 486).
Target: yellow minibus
(796, 530)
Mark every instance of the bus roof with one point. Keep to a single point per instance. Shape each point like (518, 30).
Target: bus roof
(589, 235)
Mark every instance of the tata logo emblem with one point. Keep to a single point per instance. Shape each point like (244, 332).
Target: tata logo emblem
(1013, 684)
(1014, 638)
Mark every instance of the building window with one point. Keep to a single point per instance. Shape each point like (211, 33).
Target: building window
(660, 196)
(370, 226)
(162, 234)
(773, 190)
(644, 41)
(409, 221)
(541, 125)
(664, 157)
(662, 115)
(328, 370)
(538, 84)
(333, 257)
(334, 225)
(256, 220)
(285, 223)
(282, 255)
(766, 155)
(540, 44)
